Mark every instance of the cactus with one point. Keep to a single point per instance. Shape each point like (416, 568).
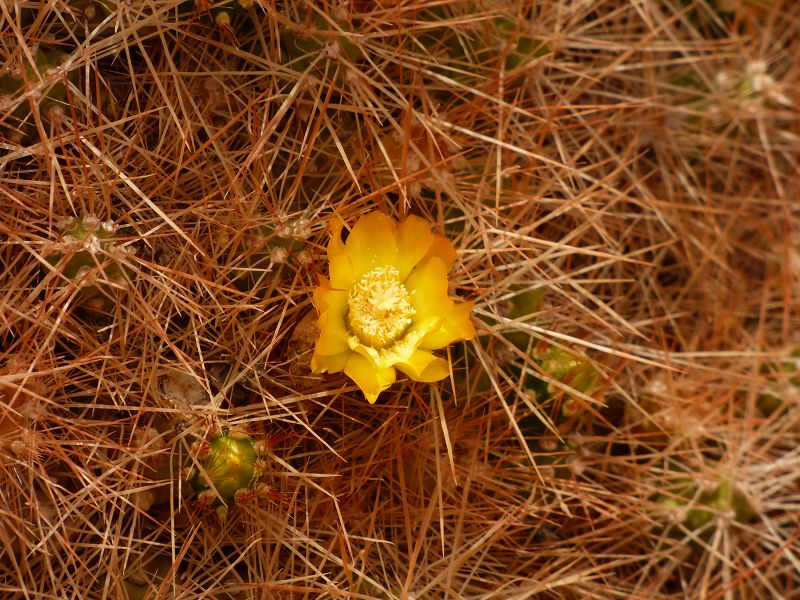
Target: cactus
(269, 247)
(517, 47)
(568, 368)
(697, 506)
(731, 101)
(522, 306)
(159, 469)
(300, 348)
(147, 578)
(728, 14)
(503, 41)
(784, 384)
(20, 405)
(231, 468)
(51, 101)
(223, 12)
(554, 458)
(303, 43)
(94, 11)
(556, 363)
(88, 257)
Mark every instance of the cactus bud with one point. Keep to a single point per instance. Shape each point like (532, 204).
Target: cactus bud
(229, 466)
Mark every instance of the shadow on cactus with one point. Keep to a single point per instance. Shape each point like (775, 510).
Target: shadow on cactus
(783, 387)
(719, 17)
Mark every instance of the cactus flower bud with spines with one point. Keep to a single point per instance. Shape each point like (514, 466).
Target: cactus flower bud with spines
(230, 467)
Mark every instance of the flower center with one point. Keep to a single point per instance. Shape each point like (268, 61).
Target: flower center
(379, 307)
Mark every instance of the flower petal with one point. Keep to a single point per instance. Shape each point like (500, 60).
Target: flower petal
(329, 364)
(329, 300)
(414, 239)
(371, 379)
(372, 243)
(332, 306)
(424, 366)
(332, 336)
(341, 270)
(442, 249)
(455, 326)
(428, 287)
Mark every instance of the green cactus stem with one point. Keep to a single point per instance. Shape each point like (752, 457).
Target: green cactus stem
(270, 247)
(318, 39)
(523, 305)
(517, 47)
(553, 457)
(89, 258)
(784, 384)
(697, 507)
(51, 101)
(503, 42)
(723, 15)
(731, 101)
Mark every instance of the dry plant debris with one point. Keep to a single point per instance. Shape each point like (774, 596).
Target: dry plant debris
(619, 181)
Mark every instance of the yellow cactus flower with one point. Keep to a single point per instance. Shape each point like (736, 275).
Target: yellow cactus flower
(385, 306)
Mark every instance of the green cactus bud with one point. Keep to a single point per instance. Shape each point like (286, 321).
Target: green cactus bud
(229, 466)
(569, 369)
(89, 257)
(223, 12)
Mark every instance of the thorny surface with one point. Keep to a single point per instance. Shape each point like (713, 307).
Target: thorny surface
(639, 165)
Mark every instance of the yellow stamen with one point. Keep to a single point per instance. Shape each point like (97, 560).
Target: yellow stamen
(379, 307)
